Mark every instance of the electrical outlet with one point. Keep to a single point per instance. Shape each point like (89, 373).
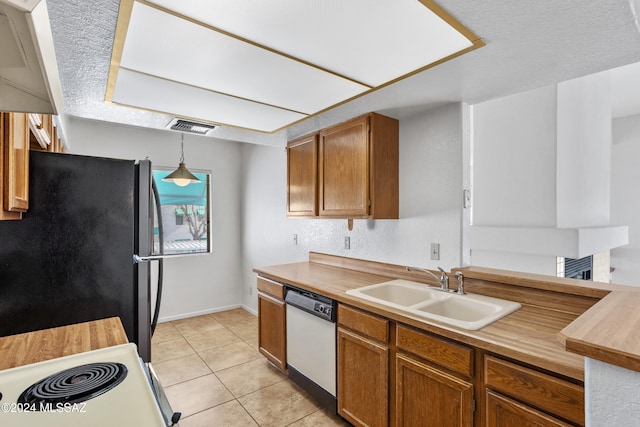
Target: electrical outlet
(295, 239)
(435, 251)
(250, 290)
(466, 199)
(347, 242)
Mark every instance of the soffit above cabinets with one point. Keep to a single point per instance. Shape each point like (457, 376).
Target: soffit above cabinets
(29, 79)
(264, 66)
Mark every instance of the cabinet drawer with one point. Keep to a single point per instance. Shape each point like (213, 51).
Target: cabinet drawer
(550, 394)
(447, 354)
(270, 287)
(366, 324)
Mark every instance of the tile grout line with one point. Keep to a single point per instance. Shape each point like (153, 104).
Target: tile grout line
(234, 397)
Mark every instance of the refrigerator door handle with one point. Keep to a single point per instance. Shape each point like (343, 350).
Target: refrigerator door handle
(138, 259)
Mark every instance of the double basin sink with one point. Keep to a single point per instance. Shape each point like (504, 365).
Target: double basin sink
(468, 311)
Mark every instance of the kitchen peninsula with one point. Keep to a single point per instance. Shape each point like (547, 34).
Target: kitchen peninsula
(516, 368)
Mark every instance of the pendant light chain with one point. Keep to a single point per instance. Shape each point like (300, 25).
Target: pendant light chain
(182, 148)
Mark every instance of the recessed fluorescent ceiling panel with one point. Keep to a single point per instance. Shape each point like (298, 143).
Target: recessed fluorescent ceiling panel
(264, 65)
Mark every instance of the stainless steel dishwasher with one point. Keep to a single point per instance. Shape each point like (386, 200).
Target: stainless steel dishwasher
(311, 344)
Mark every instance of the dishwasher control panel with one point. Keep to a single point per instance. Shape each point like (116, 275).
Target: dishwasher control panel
(310, 302)
(322, 308)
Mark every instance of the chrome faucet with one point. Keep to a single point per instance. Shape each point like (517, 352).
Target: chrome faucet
(460, 278)
(443, 279)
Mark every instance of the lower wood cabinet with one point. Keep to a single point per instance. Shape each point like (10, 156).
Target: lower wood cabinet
(363, 367)
(427, 396)
(415, 392)
(505, 412)
(272, 322)
(363, 380)
(390, 374)
(434, 380)
(540, 396)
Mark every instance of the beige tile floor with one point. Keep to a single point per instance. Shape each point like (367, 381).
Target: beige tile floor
(212, 372)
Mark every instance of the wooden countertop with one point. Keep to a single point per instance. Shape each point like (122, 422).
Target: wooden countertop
(608, 331)
(32, 347)
(530, 335)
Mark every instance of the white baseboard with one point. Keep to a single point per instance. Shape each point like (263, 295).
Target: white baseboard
(250, 310)
(197, 313)
(203, 312)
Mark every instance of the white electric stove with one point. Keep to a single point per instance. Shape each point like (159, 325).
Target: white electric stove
(105, 387)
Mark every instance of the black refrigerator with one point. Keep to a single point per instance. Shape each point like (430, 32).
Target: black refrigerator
(71, 258)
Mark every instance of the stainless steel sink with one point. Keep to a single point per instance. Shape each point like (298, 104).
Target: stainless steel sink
(470, 311)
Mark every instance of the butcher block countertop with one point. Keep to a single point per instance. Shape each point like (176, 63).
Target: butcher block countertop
(530, 335)
(32, 347)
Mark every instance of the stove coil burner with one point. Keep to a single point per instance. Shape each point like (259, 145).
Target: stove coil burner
(75, 385)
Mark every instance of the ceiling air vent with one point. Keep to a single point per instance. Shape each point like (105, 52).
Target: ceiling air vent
(191, 127)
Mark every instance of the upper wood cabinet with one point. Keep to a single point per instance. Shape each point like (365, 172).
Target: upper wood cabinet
(41, 127)
(357, 170)
(43, 133)
(302, 176)
(15, 164)
(344, 169)
(19, 133)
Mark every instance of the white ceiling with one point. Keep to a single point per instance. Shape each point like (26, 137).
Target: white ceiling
(528, 45)
(236, 63)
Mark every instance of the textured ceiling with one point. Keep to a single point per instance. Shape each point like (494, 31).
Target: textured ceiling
(221, 61)
(528, 45)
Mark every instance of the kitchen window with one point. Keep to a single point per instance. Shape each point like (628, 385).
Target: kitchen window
(184, 226)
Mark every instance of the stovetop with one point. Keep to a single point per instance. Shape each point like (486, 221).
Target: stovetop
(105, 387)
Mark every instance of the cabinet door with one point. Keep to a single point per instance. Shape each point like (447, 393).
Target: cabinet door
(428, 397)
(40, 126)
(363, 380)
(504, 412)
(302, 177)
(16, 162)
(344, 169)
(272, 334)
(4, 214)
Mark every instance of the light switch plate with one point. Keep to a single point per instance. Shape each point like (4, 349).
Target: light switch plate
(435, 251)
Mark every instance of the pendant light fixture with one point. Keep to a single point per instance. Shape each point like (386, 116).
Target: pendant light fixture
(181, 176)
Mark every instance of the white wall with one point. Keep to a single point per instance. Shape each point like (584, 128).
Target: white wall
(584, 151)
(541, 167)
(514, 165)
(195, 284)
(612, 395)
(431, 181)
(625, 197)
